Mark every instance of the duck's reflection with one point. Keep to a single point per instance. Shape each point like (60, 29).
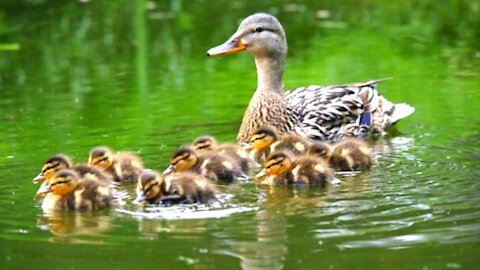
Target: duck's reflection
(75, 227)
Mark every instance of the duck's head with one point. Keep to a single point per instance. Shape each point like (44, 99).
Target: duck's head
(261, 34)
(101, 157)
(183, 159)
(262, 138)
(276, 164)
(204, 144)
(52, 166)
(148, 186)
(62, 183)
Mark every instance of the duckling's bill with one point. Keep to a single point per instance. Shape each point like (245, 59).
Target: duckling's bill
(168, 170)
(262, 173)
(233, 45)
(40, 177)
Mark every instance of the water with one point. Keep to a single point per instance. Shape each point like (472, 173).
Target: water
(97, 73)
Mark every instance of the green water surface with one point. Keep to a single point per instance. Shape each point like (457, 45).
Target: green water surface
(133, 75)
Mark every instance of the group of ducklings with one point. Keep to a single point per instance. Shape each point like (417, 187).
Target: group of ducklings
(194, 170)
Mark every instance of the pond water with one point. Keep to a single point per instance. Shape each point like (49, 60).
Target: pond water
(75, 75)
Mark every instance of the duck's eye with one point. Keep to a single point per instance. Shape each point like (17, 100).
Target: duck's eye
(258, 29)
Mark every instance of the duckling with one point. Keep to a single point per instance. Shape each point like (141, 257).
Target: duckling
(122, 166)
(277, 170)
(58, 162)
(182, 187)
(282, 168)
(260, 142)
(208, 144)
(267, 140)
(351, 154)
(321, 150)
(214, 166)
(68, 190)
(308, 170)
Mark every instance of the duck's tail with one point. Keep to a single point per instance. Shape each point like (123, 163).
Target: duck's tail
(400, 111)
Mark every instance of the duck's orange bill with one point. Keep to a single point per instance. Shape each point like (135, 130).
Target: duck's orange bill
(231, 46)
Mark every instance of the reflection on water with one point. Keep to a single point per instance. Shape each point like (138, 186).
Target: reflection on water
(86, 76)
(75, 227)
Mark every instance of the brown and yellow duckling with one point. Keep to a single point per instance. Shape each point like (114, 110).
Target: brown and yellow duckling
(267, 140)
(175, 188)
(214, 166)
(122, 166)
(282, 169)
(68, 190)
(321, 150)
(59, 162)
(208, 144)
(351, 154)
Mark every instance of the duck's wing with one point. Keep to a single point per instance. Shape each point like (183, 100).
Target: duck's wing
(333, 112)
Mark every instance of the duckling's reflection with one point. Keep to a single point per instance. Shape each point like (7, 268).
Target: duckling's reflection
(269, 248)
(75, 227)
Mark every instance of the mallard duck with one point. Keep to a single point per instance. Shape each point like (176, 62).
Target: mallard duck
(267, 140)
(351, 154)
(208, 144)
(122, 166)
(182, 187)
(214, 166)
(68, 190)
(316, 112)
(282, 168)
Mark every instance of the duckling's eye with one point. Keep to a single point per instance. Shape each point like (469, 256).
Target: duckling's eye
(258, 29)
(259, 137)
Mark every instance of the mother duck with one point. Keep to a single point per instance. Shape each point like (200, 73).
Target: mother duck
(315, 112)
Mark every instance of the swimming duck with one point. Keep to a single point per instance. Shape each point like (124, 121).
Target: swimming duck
(315, 112)
(267, 140)
(208, 144)
(214, 166)
(68, 190)
(184, 187)
(122, 166)
(282, 168)
(351, 154)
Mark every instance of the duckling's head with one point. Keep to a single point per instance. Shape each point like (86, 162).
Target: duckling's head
(148, 186)
(183, 159)
(276, 164)
(261, 34)
(101, 157)
(262, 138)
(320, 149)
(52, 166)
(62, 183)
(204, 144)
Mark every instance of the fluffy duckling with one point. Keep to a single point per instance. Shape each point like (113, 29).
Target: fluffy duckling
(312, 171)
(351, 154)
(208, 144)
(282, 168)
(182, 187)
(277, 170)
(68, 190)
(122, 166)
(59, 162)
(321, 150)
(214, 166)
(267, 140)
